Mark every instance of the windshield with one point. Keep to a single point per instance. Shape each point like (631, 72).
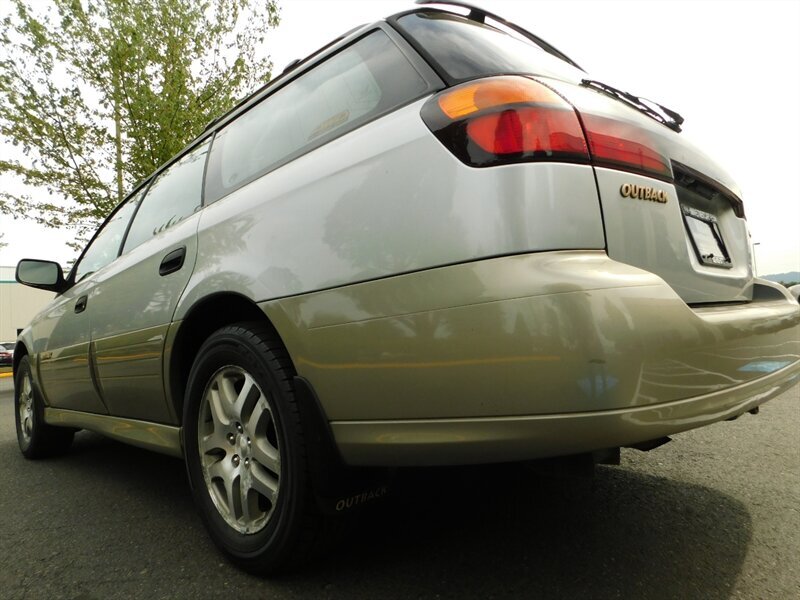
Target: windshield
(466, 49)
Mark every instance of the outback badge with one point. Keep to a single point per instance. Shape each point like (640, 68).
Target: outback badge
(643, 192)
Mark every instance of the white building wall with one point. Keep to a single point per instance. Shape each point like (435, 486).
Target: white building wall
(18, 304)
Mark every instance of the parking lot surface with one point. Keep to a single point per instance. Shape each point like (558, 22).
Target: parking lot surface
(714, 514)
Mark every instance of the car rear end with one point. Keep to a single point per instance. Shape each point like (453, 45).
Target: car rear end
(611, 301)
(6, 353)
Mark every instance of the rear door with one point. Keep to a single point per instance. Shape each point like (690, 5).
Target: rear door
(134, 300)
(686, 225)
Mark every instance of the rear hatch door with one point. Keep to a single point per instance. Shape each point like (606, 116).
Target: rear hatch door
(687, 227)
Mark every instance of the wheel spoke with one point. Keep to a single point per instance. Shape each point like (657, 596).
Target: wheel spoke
(213, 441)
(218, 413)
(233, 496)
(241, 399)
(260, 411)
(267, 455)
(227, 395)
(245, 503)
(263, 482)
(222, 469)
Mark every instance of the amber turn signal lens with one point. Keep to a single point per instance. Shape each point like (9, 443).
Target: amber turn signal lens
(498, 91)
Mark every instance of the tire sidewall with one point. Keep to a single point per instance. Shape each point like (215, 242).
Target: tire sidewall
(229, 348)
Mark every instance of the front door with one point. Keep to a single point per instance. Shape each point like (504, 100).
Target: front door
(63, 333)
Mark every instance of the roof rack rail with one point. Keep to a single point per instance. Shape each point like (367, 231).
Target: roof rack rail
(479, 15)
(292, 64)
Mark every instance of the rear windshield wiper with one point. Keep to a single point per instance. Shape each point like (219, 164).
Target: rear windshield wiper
(654, 110)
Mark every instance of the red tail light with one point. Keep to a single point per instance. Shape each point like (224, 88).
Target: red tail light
(622, 146)
(501, 120)
(542, 132)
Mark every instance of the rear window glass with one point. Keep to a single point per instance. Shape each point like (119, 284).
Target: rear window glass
(466, 49)
(352, 87)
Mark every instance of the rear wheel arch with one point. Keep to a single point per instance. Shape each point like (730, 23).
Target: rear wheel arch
(332, 479)
(202, 320)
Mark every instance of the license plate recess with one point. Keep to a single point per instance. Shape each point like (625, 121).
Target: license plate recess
(704, 233)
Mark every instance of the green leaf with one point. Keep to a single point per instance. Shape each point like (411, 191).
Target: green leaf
(99, 94)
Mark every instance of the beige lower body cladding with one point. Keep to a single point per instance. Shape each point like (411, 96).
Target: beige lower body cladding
(527, 356)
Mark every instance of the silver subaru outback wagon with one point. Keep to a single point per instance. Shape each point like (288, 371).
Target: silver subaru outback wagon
(436, 241)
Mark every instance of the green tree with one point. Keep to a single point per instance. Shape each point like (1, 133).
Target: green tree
(96, 94)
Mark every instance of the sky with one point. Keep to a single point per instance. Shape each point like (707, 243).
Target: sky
(731, 68)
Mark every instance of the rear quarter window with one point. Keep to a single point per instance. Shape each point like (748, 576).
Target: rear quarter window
(363, 81)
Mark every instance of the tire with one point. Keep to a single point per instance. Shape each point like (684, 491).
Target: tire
(36, 438)
(245, 451)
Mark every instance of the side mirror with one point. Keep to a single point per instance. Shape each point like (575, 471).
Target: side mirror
(41, 274)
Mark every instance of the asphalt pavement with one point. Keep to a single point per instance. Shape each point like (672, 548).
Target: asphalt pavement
(712, 515)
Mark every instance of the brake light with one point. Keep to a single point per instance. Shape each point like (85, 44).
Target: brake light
(508, 119)
(619, 145)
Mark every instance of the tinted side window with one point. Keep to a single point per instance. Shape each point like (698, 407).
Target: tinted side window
(352, 87)
(172, 197)
(466, 49)
(105, 246)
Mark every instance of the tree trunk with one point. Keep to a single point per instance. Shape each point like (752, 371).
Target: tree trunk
(118, 136)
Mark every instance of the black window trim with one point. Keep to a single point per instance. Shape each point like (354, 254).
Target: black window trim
(70, 281)
(160, 171)
(412, 42)
(432, 84)
(144, 187)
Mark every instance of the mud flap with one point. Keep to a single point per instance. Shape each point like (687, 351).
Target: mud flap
(338, 487)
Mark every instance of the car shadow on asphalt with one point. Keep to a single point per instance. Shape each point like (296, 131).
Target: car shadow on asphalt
(504, 532)
(483, 532)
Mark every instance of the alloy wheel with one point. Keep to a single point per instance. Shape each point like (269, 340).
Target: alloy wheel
(239, 449)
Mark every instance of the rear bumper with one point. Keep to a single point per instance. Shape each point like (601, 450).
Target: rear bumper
(505, 439)
(531, 355)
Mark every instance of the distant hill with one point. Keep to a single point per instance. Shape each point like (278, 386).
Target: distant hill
(785, 277)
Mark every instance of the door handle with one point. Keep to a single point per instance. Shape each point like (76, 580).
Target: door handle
(172, 262)
(80, 305)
